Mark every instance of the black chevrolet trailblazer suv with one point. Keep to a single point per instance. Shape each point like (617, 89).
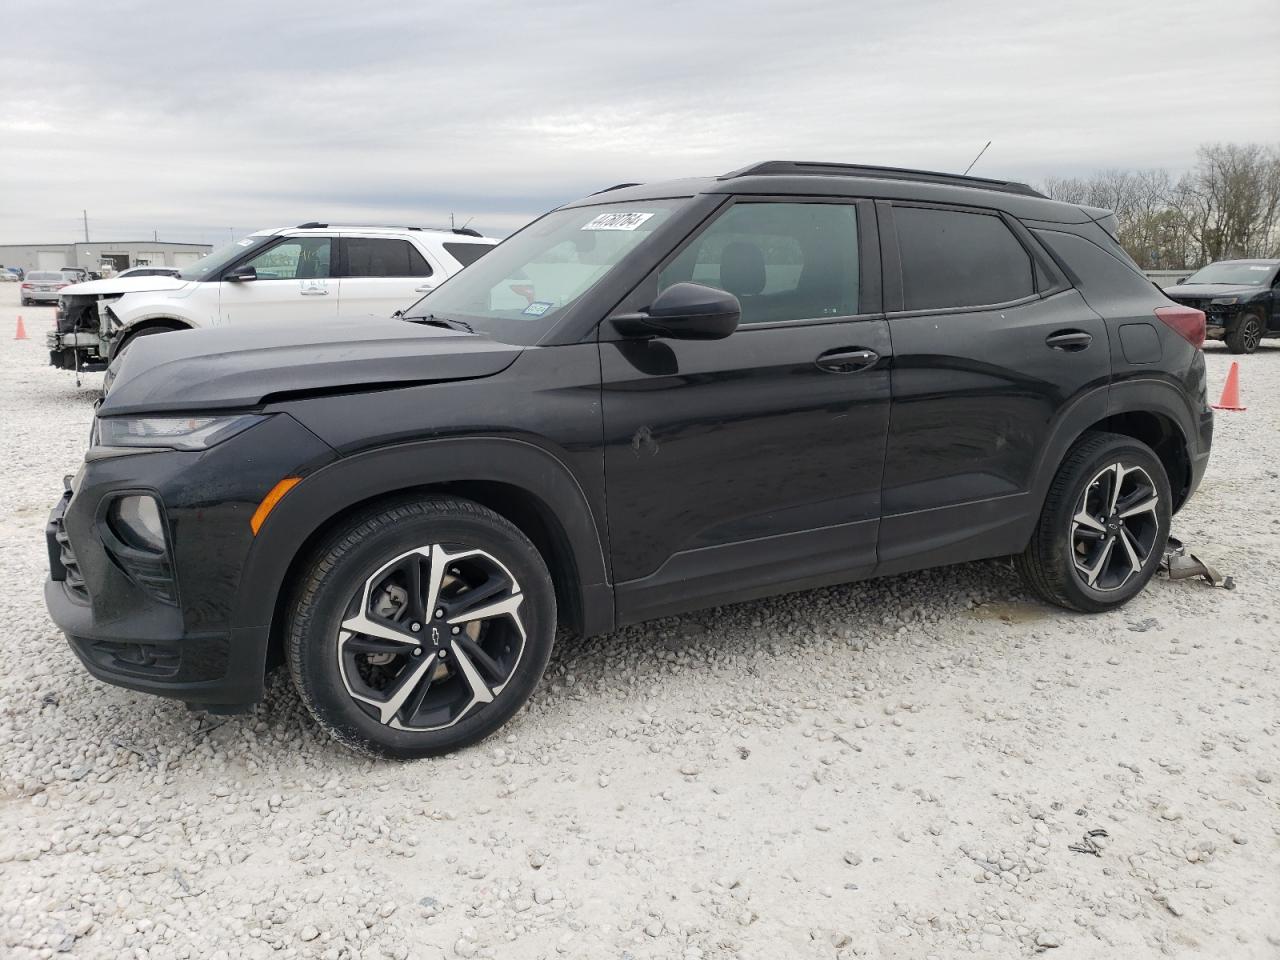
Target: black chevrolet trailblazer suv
(655, 399)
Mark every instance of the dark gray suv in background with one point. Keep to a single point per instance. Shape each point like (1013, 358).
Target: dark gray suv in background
(655, 399)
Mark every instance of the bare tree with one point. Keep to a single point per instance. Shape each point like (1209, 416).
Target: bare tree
(1228, 205)
(1230, 200)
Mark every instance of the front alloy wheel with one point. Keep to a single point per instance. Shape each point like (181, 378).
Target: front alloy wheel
(420, 627)
(432, 637)
(1246, 336)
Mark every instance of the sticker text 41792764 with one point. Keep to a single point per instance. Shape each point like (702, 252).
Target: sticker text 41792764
(616, 221)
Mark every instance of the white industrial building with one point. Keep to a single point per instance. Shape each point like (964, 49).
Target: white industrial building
(91, 255)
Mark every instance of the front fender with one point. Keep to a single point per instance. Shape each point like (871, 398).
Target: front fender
(320, 497)
(135, 308)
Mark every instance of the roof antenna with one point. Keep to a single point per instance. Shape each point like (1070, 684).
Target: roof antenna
(975, 160)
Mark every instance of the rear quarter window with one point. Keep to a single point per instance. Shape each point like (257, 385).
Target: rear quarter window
(467, 253)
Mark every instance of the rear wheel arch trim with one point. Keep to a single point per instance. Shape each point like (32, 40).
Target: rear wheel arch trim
(387, 471)
(1091, 412)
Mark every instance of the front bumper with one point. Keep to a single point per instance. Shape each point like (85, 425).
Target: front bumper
(166, 626)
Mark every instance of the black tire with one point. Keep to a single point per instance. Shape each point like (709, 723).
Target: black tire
(336, 585)
(1051, 564)
(1246, 335)
(24, 301)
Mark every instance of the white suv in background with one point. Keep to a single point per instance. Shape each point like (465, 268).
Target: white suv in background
(314, 271)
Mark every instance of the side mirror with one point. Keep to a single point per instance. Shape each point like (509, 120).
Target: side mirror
(241, 274)
(684, 311)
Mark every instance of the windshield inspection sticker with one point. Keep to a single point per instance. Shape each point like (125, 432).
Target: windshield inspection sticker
(617, 221)
(537, 308)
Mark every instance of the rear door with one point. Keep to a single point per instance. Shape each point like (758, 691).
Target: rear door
(294, 281)
(743, 466)
(989, 345)
(381, 275)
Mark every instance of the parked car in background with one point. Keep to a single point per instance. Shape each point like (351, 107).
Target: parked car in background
(43, 286)
(314, 272)
(656, 399)
(1240, 299)
(148, 272)
(8, 275)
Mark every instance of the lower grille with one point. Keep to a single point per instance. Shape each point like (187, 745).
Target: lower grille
(138, 659)
(71, 575)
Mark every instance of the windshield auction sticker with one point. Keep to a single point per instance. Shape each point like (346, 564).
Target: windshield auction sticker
(617, 221)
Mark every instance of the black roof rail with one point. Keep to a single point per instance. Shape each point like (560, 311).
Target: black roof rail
(816, 169)
(616, 186)
(317, 225)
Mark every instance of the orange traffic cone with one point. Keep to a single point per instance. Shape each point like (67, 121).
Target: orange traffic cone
(1231, 392)
(22, 330)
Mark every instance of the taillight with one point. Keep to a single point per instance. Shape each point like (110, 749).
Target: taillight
(1186, 322)
(28, 286)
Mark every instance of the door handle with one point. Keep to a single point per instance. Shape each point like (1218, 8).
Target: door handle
(315, 293)
(847, 360)
(1069, 341)
(425, 288)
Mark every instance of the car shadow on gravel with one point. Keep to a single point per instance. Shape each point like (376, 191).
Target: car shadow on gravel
(851, 614)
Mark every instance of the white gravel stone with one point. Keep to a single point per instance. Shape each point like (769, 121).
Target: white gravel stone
(743, 748)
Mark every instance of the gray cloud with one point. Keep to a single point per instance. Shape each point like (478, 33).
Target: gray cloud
(191, 120)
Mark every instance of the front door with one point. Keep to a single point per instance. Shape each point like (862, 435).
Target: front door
(294, 282)
(748, 465)
(990, 344)
(381, 275)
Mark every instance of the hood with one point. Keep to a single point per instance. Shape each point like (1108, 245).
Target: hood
(96, 288)
(1207, 291)
(224, 368)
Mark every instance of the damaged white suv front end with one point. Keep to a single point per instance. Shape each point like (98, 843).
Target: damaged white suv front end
(91, 315)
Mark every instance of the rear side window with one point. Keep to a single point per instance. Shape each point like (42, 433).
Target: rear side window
(955, 259)
(381, 257)
(783, 261)
(467, 253)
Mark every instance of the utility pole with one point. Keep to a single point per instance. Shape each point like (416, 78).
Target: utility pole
(86, 225)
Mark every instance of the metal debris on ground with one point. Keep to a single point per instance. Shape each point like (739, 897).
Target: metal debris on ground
(1087, 843)
(1179, 564)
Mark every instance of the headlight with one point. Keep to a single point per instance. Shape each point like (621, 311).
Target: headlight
(173, 433)
(1224, 301)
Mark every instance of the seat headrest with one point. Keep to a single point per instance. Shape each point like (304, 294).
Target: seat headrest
(742, 269)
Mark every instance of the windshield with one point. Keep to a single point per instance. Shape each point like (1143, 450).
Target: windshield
(1236, 273)
(211, 265)
(517, 290)
(45, 277)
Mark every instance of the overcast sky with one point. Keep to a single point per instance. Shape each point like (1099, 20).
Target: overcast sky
(197, 120)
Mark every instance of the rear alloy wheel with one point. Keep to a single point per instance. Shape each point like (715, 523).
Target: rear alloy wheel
(1103, 528)
(1246, 335)
(421, 628)
(1115, 527)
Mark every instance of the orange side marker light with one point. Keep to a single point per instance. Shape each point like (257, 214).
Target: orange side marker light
(270, 500)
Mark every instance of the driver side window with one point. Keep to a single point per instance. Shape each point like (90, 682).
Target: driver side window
(783, 261)
(302, 258)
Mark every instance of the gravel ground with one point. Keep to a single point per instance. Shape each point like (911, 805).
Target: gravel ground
(894, 769)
